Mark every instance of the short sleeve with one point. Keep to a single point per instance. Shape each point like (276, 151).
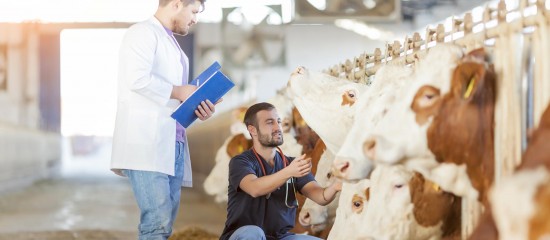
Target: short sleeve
(239, 167)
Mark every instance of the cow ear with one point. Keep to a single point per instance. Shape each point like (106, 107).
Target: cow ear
(477, 55)
(297, 119)
(468, 79)
(236, 145)
(238, 114)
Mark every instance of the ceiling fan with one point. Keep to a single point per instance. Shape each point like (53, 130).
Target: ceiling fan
(247, 44)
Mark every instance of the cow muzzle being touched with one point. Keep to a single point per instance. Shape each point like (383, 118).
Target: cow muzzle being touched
(349, 170)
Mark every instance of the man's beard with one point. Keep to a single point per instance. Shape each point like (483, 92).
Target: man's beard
(268, 141)
(178, 30)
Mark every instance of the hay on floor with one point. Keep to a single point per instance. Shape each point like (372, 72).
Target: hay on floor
(193, 233)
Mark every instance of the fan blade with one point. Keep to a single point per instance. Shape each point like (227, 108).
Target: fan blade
(243, 52)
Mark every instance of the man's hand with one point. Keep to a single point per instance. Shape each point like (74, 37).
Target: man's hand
(337, 185)
(182, 92)
(205, 110)
(299, 167)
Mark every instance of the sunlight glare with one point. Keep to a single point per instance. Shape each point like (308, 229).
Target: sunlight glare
(89, 61)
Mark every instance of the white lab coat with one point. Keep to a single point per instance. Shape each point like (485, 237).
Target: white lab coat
(145, 134)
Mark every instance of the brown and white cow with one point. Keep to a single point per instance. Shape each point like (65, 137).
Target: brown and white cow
(453, 126)
(396, 203)
(520, 203)
(313, 215)
(327, 105)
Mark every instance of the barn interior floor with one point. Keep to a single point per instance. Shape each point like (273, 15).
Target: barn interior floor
(89, 202)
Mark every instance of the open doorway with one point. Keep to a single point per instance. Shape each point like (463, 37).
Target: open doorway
(89, 60)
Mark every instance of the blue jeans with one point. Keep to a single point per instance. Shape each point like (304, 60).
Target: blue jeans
(252, 232)
(158, 198)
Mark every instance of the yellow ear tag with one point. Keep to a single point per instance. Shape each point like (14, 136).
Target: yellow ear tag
(241, 115)
(240, 149)
(436, 187)
(470, 87)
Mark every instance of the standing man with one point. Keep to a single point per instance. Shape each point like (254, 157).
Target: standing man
(149, 147)
(263, 183)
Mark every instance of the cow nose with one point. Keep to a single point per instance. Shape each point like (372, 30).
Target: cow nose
(304, 218)
(340, 168)
(369, 148)
(299, 70)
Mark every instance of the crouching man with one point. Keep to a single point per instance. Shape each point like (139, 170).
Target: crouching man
(263, 183)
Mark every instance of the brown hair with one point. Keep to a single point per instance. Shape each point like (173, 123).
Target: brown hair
(250, 115)
(187, 2)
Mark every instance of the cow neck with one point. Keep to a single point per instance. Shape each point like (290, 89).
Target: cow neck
(285, 161)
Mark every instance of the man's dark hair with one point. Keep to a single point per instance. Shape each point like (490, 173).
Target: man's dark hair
(250, 115)
(187, 2)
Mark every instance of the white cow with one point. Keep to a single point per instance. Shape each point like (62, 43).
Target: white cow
(516, 202)
(217, 181)
(326, 103)
(351, 163)
(313, 214)
(353, 205)
(395, 203)
(391, 207)
(284, 107)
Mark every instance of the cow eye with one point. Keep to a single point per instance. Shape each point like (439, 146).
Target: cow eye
(351, 94)
(329, 175)
(357, 204)
(398, 185)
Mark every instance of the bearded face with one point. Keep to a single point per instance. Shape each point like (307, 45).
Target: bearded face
(271, 139)
(185, 17)
(269, 128)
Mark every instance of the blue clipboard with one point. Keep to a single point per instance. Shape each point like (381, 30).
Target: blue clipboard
(213, 84)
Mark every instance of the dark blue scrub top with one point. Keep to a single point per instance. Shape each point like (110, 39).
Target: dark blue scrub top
(242, 209)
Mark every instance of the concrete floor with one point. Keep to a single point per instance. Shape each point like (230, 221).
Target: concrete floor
(87, 201)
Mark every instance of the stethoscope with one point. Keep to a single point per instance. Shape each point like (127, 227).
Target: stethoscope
(289, 181)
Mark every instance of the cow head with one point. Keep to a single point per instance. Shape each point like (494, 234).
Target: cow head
(313, 214)
(326, 103)
(404, 205)
(467, 103)
(285, 107)
(462, 130)
(402, 133)
(350, 162)
(433, 206)
(305, 136)
(352, 206)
